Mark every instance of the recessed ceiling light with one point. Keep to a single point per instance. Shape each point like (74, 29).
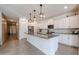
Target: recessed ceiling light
(65, 7)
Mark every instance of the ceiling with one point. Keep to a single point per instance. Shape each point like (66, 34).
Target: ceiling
(15, 11)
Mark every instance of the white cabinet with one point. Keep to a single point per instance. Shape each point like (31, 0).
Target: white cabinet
(44, 24)
(74, 22)
(61, 23)
(57, 23)
(64, 39)
(49, 46)
(72, 40)
(68, 22)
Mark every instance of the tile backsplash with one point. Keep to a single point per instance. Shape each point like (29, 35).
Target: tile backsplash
(65, 30)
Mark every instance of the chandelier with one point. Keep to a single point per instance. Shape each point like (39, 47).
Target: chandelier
(41, 14)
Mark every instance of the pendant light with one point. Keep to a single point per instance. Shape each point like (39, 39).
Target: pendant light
(76, 11)
(30, 20)
(34, 18)
(41, 12)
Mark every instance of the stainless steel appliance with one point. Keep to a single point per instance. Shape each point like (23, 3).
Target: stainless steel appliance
(31, 29)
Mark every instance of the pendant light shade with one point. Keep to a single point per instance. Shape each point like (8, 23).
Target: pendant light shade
(30, 17)
(34, 15)
(41, 15)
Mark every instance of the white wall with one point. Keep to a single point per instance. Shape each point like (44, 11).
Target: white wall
(23, 28)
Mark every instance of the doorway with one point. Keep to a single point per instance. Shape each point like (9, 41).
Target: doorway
(13, 29)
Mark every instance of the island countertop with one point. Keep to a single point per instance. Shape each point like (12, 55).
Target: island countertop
(45, 36)
(48, 36)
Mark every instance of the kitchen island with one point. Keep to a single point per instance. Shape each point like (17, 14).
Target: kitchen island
(48, 44)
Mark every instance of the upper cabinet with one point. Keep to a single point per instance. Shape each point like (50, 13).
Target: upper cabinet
(61, 23)
(44, 24)
(68, 22)
(74, 21)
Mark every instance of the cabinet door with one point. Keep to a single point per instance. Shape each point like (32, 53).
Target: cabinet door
(74, 40)
(62, 23)
(74, 22)
(65, 39)
(59, 23)
(70, 22)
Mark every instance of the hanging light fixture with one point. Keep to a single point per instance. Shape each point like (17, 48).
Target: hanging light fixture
(76, 11)
(34, 18)
(41, 12)
(30, 20)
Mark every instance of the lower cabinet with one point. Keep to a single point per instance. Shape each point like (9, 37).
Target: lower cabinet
(74, 40)
(64, 39)
(71, 40)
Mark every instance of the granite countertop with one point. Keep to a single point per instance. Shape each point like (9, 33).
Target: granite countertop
(68, 33)
(48, 36)
(45, 36)
(55, 34)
